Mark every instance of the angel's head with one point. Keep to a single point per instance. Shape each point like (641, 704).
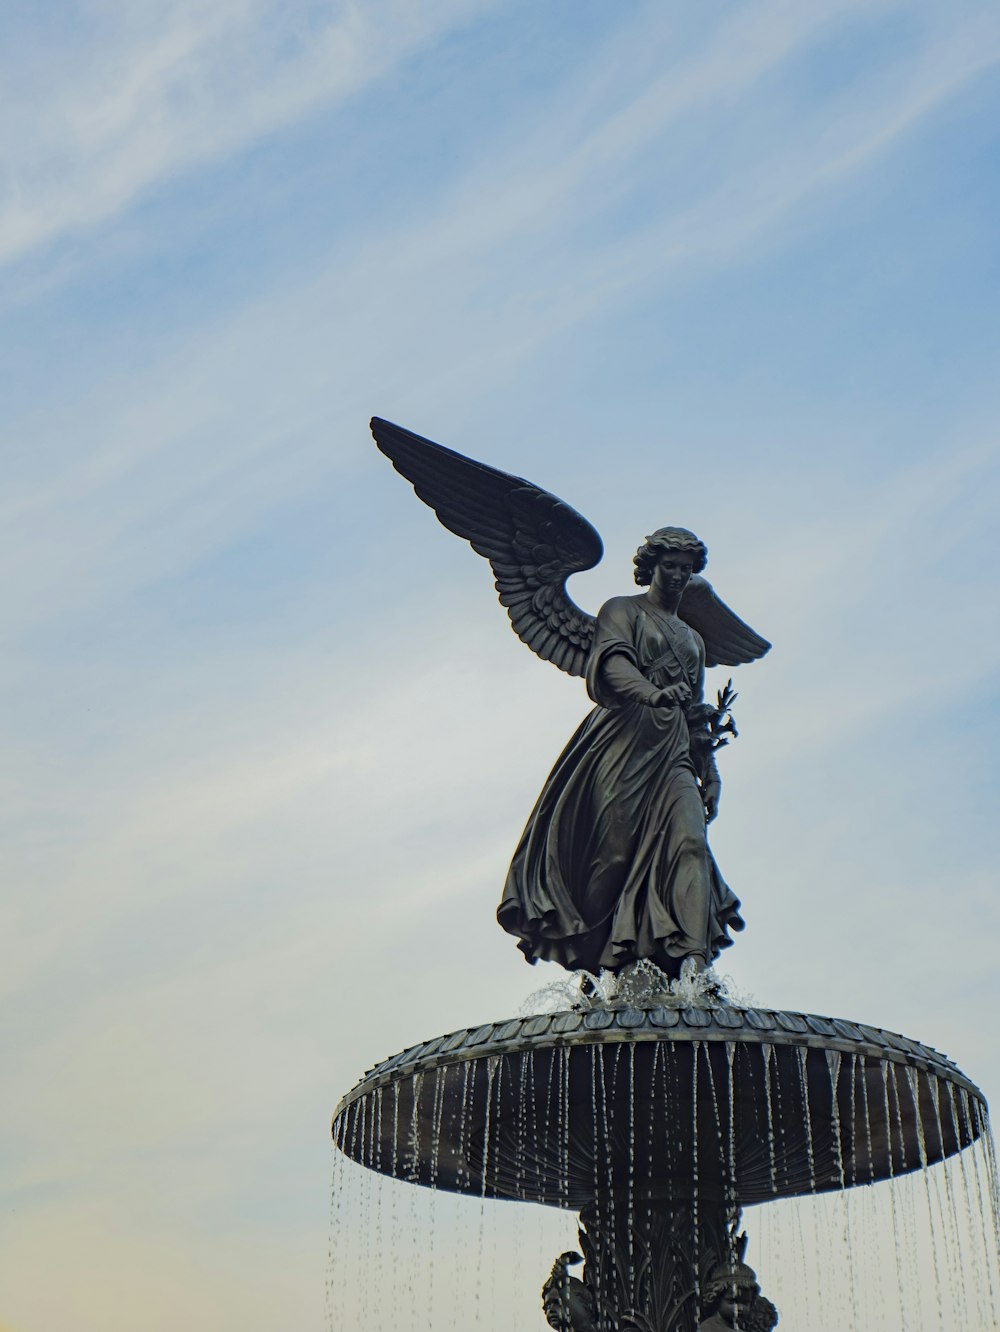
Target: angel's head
(662, 540)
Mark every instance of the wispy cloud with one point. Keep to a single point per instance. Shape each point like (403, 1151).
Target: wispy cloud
(409, 311)
(151, 91)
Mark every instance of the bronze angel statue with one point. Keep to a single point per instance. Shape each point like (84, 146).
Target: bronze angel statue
(613, 864)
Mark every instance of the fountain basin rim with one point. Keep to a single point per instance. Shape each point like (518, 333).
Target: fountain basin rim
(652, 1023)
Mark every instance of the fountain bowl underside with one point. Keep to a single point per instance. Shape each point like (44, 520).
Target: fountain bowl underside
(735, 1105)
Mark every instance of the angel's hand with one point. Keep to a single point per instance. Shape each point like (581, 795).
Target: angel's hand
(672, 696)
(710, 798)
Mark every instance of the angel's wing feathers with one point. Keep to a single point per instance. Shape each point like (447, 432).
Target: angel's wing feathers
(728, 640)
(532, 540)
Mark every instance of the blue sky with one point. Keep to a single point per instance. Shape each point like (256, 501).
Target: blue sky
(268, 741)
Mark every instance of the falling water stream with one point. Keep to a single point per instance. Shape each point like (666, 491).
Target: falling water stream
(863, 1164)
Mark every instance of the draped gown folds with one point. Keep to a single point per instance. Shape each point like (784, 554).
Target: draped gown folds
(614, 864)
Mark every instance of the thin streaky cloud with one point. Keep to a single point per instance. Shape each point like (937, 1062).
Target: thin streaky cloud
(756, 206)
(189, 395)
(462, 226)
(194, 84)
(540, 180)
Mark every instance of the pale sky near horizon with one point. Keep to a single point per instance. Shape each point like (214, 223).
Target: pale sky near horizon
(268, 741)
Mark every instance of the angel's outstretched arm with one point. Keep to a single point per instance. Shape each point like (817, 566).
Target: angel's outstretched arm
(619, 677)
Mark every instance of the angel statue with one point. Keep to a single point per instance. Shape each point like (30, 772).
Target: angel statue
(613, 865)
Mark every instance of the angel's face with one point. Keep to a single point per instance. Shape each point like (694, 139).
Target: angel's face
(673, 569)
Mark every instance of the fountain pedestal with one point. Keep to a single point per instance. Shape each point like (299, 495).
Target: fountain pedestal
(650, 1264)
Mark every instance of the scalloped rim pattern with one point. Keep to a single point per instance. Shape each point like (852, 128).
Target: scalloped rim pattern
(758, 1026)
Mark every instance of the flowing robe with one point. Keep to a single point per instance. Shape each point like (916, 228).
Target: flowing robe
(614, 864)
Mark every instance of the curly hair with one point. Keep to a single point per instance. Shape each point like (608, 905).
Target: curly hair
(663, 539)
(762, 1316)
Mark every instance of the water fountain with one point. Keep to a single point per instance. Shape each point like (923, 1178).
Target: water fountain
(652, 1104)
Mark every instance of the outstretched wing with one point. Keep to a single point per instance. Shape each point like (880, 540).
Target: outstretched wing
(532, 540)
(728, 641)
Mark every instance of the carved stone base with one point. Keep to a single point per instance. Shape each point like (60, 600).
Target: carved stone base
(657, 1267)
(647, 1269)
